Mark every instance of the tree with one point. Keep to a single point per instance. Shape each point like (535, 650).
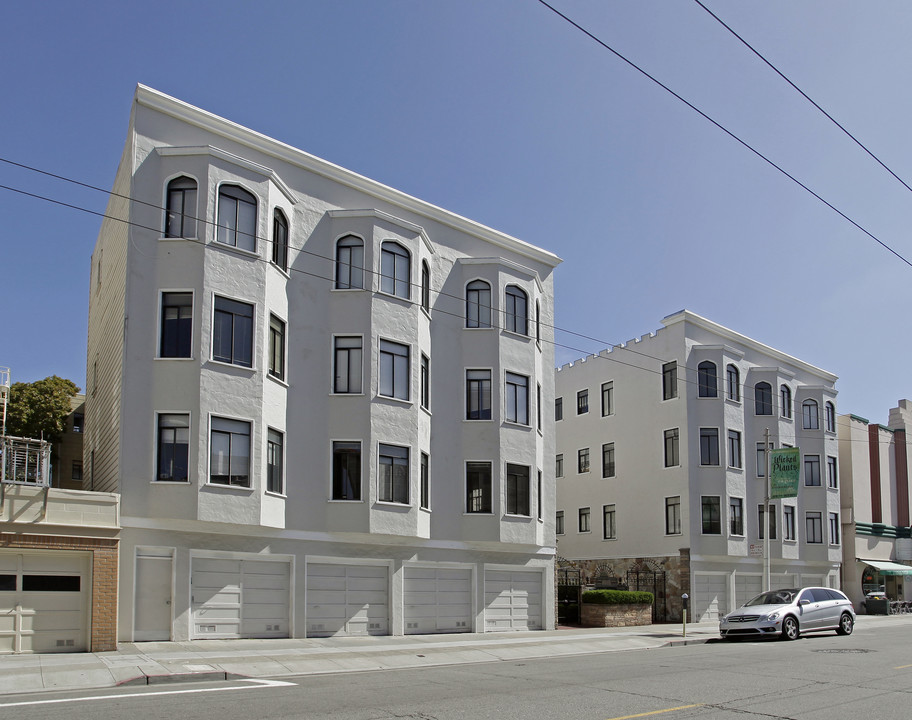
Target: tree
(39, 409)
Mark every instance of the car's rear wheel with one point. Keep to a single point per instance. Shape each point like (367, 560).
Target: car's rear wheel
(846, 625)
(790, 630)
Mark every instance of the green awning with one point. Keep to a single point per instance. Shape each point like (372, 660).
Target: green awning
(888, 568)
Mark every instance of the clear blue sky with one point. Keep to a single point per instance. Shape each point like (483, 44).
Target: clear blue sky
(500, 111)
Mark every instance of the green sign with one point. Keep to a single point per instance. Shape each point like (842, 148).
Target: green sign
(785, 468)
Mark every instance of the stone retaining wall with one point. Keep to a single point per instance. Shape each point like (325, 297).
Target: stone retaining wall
(627, 615)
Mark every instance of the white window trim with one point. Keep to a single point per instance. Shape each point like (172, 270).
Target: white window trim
(332, 364)
(411, 371)
(465, 488)
(164, 206)
(193, 315)
(329, 487)
(250, 489)
(254, 355)
(154, 465)
(258, 234)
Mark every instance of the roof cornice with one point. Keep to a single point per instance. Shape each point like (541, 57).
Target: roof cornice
(694, 319)
(185, 112)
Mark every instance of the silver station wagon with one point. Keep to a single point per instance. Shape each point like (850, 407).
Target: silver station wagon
(788, 613)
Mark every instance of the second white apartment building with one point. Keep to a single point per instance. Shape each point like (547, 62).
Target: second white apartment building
(661, 467)
(319, 398)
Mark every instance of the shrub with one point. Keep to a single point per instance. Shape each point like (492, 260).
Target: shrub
(617, 597)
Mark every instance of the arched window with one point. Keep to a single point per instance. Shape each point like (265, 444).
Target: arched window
(829, 417)
(785, 400)
(810, 416)
(395, 270)
(350, 263)
(425, 286)
(478, 304)
(707, 383)
(538, 321)
(516, 311)
(280, 240)
(180, 218)
(763, 398)
(237, 218)
(734, 383)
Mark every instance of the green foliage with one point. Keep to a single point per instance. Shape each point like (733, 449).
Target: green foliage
(39, 409)
(617, 597)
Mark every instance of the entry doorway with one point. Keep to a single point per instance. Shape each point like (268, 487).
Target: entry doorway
(153, 596)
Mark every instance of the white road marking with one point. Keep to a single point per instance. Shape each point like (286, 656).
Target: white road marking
(256, 685)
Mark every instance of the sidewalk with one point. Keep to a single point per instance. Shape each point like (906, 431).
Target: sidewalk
(154, 662)
(151, 662)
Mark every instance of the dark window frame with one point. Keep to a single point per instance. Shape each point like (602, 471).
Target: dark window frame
(181, 208)
(349, 263)
(235, 320)
(232, 200)
(280, 240)
(707, 379)
(479, 483)
(172, 456)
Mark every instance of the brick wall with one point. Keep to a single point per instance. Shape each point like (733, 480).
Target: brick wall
(104, 579)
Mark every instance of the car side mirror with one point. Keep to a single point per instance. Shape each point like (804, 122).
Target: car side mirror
(804, 601)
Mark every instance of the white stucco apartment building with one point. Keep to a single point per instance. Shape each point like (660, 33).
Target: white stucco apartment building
(877, 546)
(319, 398)
(661, 467)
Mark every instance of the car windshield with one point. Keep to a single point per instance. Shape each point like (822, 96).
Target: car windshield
(774, 597)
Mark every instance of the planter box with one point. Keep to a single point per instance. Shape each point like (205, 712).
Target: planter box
(595, 615)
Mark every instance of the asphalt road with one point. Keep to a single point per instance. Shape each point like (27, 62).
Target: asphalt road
(866, 675)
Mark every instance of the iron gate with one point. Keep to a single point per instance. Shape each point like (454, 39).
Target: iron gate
(649, 577)
(569, 592)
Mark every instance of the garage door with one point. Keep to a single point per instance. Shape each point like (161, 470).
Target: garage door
(347, 599)
(513, 600)
(44, 602)
(710, 596)
(747, 587)
(239, 598)
(437, 600)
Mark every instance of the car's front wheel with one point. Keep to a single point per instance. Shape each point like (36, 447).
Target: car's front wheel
(846, 625)
(790, 629)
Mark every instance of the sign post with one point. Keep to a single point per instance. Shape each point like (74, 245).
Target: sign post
(782, 482)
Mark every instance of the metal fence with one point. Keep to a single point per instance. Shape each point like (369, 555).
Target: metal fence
(23, 460)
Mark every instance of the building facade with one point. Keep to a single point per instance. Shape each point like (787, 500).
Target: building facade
(877, 549)
(319, 398)
(58, 554)
(661, 467)
(66, 462)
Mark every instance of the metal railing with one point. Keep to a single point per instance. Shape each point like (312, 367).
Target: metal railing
(26, 461)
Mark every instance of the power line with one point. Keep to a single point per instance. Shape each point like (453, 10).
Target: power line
(804, 94)
(725, 130)
(745, 390)
(267, 241)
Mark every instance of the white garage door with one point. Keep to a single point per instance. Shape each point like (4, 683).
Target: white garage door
(710, 600)
(747, 587)
(347, 599)
(437, 600)
(44, 602)
(239, 598)
(513, 600)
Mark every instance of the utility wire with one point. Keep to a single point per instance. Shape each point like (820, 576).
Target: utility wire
(803, 94)
(267, 241)
(725, 130)
(746, 392)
